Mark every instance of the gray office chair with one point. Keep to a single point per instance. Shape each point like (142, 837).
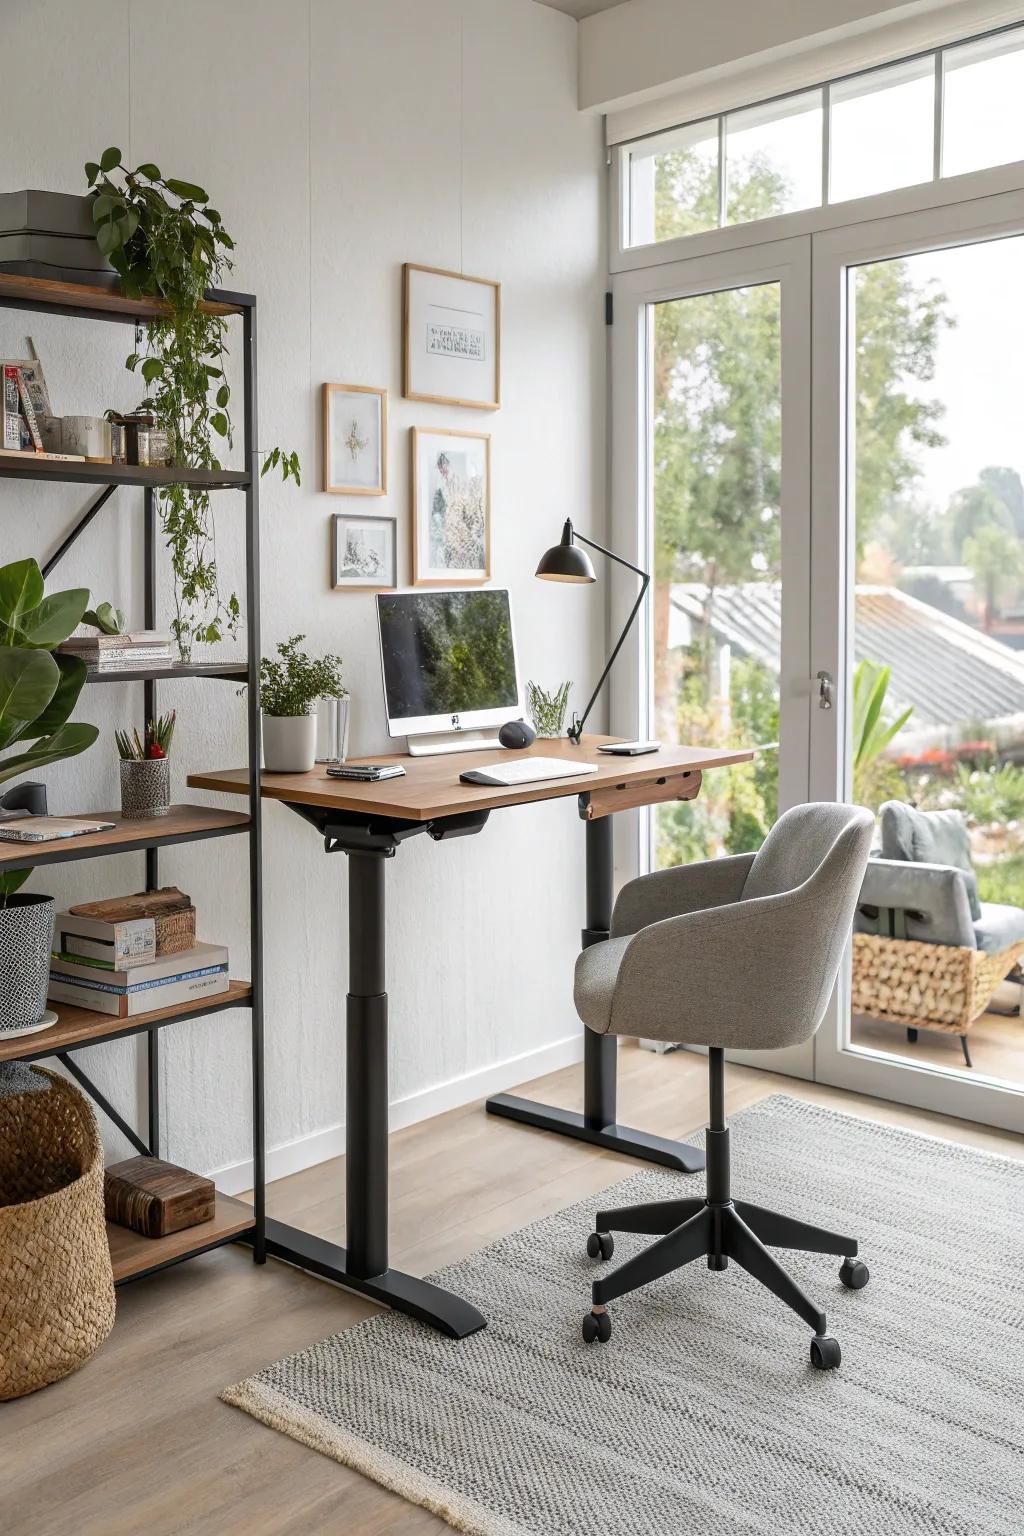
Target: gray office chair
(739, 952)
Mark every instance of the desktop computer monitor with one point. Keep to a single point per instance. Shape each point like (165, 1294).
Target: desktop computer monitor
(449, 665)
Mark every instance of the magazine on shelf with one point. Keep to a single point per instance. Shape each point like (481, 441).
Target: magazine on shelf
(49, 829)
(174, 992)
(93, 971)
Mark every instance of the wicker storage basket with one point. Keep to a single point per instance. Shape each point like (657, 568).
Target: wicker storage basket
(56, 1280)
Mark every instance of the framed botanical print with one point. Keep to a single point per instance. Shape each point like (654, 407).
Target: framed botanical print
(355, 432)
(451, 508)
(363, 552)
(451, 338)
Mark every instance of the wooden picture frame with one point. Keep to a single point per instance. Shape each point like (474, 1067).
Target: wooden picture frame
(475, 457)
(458, 315)
(372, 478)
(378, 528)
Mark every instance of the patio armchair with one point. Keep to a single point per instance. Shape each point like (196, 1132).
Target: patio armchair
(927, 953)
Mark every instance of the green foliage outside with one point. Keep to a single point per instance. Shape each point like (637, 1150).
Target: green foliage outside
(717, 467)
(465, 654)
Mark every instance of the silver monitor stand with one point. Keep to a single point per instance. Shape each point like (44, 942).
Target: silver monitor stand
(434, 743)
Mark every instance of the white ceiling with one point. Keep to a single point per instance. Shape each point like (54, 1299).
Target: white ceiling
(580, 8)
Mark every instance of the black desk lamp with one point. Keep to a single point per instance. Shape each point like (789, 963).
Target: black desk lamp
(567, 562)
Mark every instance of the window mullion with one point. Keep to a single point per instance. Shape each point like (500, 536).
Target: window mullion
(940, 76)
(722, 172)
(826, 140)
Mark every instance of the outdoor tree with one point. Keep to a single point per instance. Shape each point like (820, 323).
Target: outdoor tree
(717, 439)
(994, 555)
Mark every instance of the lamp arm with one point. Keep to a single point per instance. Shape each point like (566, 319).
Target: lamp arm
(576, 729)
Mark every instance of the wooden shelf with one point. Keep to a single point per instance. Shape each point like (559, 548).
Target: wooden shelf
(182, 824)
(76, 1027)
(232, 671)
(103, 302)
(35, 466)
(133, 1255)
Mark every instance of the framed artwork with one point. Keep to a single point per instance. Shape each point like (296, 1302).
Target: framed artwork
(355, 440)
(364, 554)
(451, 338)
(451, 508)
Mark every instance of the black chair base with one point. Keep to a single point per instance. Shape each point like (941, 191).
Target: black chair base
(718, 1229)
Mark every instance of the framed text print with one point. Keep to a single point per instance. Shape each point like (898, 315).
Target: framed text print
(451, 338)
(355, 440)
(451, 508)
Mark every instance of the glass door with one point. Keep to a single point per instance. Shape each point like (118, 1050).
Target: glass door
(712, 446)
(919, 616)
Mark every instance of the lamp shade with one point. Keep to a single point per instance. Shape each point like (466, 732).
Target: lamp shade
(566, 561)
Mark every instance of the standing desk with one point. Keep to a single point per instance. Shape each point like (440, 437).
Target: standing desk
(369, 823)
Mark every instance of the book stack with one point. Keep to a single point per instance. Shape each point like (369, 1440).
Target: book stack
(115, 967)
(24, 409)
(144, 650)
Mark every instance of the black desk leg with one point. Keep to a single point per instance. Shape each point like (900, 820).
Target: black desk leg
(597, 1122)
(363, 1265)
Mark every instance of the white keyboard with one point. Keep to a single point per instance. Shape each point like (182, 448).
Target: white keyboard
(527, 770)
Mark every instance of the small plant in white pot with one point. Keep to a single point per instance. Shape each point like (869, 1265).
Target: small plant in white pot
(290, 688)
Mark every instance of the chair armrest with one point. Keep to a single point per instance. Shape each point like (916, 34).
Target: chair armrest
(932, 897)
(758, 970)
(673, 892)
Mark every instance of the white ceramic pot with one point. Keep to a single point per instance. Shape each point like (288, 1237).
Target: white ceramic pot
(289, 743)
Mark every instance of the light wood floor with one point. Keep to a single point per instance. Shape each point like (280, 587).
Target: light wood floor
(996, 1042)
(137, 1442)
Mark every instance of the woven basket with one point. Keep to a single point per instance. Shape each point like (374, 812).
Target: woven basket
(926, 986)
(56, 1280)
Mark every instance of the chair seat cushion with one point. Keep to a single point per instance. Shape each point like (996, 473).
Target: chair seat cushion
(998, 927)
(597, 970)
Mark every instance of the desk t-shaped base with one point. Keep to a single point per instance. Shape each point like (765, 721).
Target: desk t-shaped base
(596, 1124)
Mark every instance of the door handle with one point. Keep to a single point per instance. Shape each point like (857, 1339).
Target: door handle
(825, 690)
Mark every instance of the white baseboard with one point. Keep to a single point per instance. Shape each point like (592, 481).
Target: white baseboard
(318, 1146)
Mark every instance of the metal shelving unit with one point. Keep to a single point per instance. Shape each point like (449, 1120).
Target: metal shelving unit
(78, 1028)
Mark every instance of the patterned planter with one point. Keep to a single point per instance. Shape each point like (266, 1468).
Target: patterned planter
(26, 938)
(145, 787)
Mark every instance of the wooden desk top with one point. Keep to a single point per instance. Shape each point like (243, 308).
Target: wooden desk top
(431, 786)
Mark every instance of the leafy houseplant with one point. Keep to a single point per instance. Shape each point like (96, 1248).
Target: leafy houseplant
(106, 618)
(38, 692)
(166, 242)
(289, 689)
(146, 768)
(547, 710)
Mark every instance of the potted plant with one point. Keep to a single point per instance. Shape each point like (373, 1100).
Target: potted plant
(166, 241)
(290, 687)
(38, 691)
(547, 710)
(146, 768)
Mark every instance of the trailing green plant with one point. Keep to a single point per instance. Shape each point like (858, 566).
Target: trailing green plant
(292, 684)
(38, 690)
(165, 241)
(547, 710)
(154, 743)
(106, 618)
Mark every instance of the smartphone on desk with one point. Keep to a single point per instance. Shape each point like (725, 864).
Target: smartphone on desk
(629, 748)
(366, 773)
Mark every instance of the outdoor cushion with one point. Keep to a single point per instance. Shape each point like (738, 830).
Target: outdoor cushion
(999, 927)
(929, 837)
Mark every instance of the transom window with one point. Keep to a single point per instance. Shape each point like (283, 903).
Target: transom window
(945, 113)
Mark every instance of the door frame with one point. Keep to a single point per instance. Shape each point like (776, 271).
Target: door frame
(835, 252)
(786, 262)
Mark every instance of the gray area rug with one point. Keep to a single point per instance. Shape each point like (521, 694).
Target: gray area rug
(703, 1416)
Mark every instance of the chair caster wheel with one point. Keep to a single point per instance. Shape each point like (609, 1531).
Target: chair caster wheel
(600, 1245)
(825, 1352)
(854, 1274)
(597, 1328)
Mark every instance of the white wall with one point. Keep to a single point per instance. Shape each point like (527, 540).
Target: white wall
(340, 139)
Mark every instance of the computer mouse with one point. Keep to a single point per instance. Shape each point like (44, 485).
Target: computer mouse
(516, 733)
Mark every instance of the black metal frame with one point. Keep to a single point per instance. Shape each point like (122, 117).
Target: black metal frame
(363, 1264)
(151, 479)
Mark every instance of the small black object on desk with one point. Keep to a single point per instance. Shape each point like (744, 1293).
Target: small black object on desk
(516, 734)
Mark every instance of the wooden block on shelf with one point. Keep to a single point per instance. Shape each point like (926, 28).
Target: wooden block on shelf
(171, 910)
(155, 1198)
